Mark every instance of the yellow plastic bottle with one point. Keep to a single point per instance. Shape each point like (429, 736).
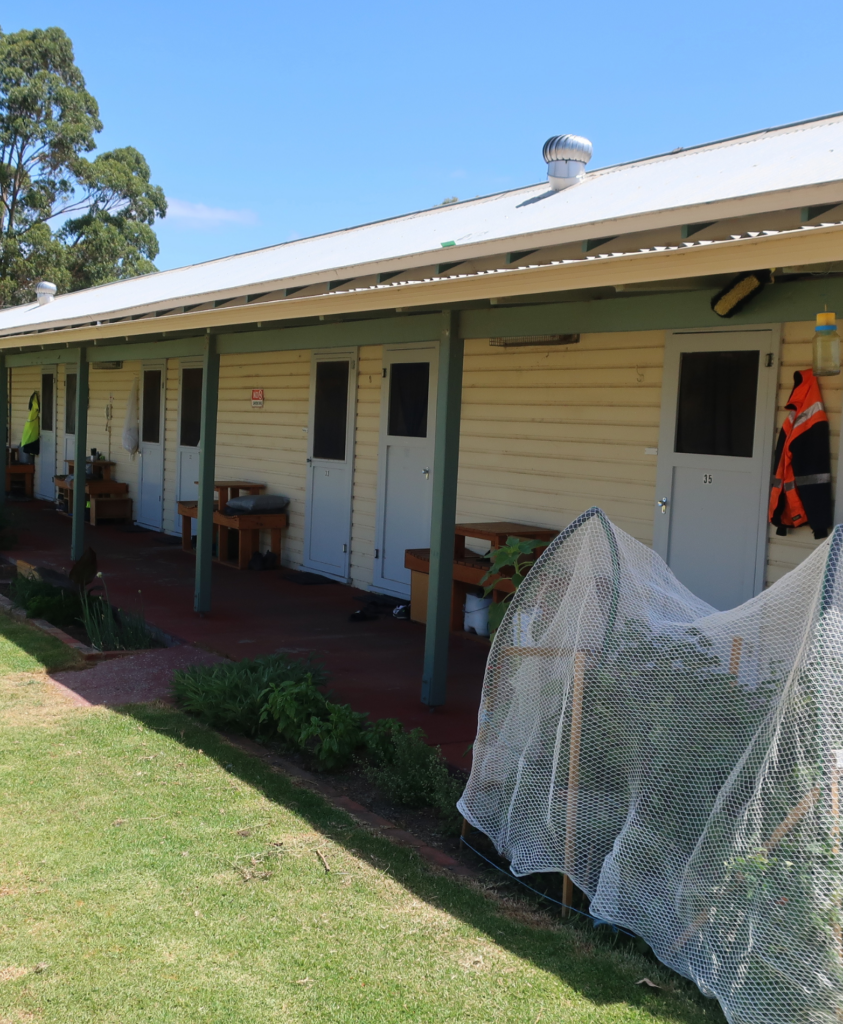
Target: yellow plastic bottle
(826, 346)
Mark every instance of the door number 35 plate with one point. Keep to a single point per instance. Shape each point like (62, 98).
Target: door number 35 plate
(707, 478)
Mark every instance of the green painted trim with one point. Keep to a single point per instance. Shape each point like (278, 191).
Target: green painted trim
(207, 463)
(109, 353)
(391, 331)
(777, 303)
(177, 348)
(809, 213)
(688, 230)
(594, 243)
(446, 454)
(80, 447)
(40, 358)
(514, 257)
(384, 331)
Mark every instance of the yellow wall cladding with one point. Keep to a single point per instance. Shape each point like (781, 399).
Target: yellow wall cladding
(546, 433)
(367, 433)
(783, 553)
(24, 380)
(267, 445)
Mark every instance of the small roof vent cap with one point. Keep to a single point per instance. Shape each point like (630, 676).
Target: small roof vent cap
(45, 291)
(566, 157)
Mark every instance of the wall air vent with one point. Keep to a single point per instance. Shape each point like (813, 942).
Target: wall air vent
(535, 339)
(116, 364)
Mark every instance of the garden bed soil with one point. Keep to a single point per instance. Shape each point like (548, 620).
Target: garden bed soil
(424, 823)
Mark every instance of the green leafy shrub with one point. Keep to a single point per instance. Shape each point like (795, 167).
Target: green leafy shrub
(42, 600)
(414, 774)
(234, 694)
(336, 738)
(291, 704)
(380, 739)
(310, 721)
(284, 695)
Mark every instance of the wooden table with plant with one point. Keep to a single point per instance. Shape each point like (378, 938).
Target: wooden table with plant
(498, 573)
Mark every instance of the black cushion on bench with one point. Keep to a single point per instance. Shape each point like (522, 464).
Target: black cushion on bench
(255, 504)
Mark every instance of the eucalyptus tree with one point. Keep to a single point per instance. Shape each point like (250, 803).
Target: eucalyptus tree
(64, 216)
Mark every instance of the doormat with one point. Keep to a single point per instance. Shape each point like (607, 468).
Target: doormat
(306, 579)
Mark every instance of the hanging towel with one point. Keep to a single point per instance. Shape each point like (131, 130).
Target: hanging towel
(31, 440)
(130, 427)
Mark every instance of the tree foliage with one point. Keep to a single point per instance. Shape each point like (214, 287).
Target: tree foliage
(64, 217)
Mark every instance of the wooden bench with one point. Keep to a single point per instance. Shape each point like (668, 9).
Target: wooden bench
(23, 472)
(107, 499)
(248, 529)
(468, 568)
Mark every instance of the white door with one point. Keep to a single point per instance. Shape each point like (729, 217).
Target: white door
(405, 464)
(69, 420)
(190, 415)
(45, 466)
(715, 451)
(330, 464)
(151, 446)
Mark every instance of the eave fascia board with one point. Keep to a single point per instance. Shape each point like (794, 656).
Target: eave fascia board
(801, 246)
(828, 194)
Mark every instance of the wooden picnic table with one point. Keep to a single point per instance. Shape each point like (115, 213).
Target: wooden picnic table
(24, 471)
(497, 534)
(469, 568)
(107, 499)
(232, 488)
(248, 526)
(101, 468)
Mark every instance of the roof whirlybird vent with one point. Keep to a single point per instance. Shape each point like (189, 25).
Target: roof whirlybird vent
(566, 157)
(45, 291)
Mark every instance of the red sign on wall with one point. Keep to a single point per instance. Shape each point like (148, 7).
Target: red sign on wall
(257, 398)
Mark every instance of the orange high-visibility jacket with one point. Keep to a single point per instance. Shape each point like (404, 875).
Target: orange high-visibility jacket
(801, 490)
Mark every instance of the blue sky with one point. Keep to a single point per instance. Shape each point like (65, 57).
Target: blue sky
(265, 122)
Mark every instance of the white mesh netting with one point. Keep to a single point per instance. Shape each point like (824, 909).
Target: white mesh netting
(680, 764)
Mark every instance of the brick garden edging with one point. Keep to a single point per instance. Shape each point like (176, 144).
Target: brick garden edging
(360, 813)
(8, 606)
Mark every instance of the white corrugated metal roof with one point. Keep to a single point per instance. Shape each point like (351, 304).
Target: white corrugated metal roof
(793, 157)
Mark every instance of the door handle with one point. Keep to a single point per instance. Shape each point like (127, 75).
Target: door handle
(310, 462)
(663, 503)
(426, 472)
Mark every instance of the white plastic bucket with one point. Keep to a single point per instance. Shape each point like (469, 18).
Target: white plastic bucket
(476, 618)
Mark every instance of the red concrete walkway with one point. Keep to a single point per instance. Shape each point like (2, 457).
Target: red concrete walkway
(375, 666)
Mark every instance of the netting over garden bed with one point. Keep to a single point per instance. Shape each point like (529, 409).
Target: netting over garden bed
(682, 765)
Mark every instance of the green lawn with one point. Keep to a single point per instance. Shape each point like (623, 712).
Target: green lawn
(151, 873)
(24, 649)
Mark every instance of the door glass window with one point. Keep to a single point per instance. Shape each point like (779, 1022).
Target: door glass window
(191, 407)
(70, 404)
(330, 409)
(151, 426)
(717, 396)
(409, 384)
(48, 401)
